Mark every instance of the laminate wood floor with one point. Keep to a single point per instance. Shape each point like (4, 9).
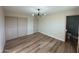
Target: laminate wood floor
(37, 43)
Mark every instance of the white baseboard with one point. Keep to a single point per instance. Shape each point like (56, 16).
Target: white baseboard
(53, 37)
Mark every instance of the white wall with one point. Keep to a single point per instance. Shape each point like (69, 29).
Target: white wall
(54, 25)
(30, 25)
(35, 24)
(2, 31)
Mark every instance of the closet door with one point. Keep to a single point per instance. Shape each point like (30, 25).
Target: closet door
(22, 26)
(11, 27)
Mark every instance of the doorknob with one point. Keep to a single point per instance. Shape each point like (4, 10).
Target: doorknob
(66, 30)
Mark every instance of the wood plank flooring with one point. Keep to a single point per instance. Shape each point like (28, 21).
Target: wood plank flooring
(37, 43)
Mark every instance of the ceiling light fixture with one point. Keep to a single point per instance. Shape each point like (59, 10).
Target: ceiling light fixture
(38, 13)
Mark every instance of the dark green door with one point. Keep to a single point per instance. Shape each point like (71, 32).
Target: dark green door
(72, 29)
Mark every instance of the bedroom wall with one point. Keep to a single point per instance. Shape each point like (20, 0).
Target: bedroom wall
(35, 24)
(2, 30)
(54, 24)
(30, 25)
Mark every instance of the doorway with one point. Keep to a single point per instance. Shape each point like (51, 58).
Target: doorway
(72, 30)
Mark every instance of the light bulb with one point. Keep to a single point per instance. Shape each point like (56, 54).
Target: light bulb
(32, 14)
(45, 14)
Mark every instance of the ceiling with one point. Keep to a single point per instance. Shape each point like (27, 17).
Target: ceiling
(29, 10)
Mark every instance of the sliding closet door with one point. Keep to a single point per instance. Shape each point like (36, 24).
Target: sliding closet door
(22, 26)
(11, 27)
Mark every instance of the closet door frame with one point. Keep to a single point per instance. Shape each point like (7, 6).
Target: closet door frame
(18, 29)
